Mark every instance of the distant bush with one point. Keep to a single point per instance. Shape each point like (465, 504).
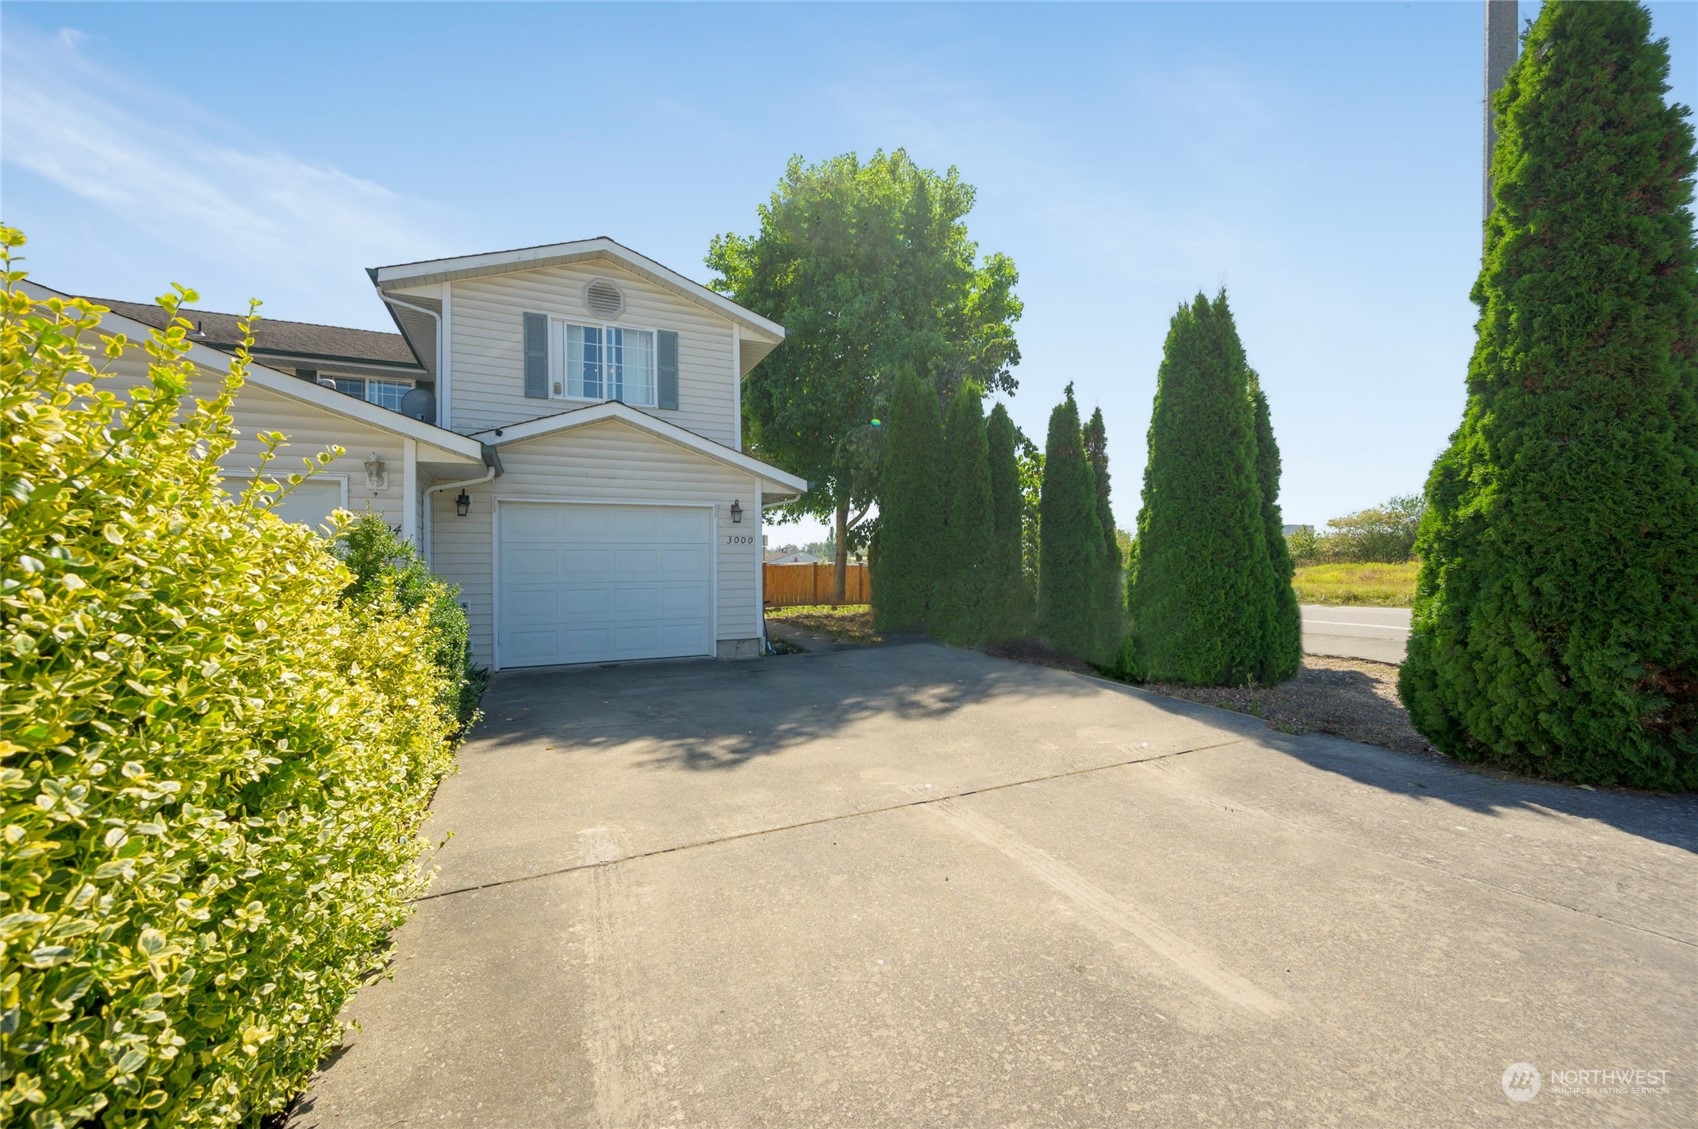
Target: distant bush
(1303, 545)
(1383, 534)
(385, 564)
(212, 769)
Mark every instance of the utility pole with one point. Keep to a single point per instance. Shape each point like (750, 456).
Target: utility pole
(1502, 35)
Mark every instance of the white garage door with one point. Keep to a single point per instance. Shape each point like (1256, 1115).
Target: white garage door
(583, 583)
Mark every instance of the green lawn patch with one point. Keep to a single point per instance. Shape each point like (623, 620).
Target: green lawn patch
(850, 622)
(1376, 585)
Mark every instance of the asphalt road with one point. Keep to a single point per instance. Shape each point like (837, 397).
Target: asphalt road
(1356, 633)
(907, 887)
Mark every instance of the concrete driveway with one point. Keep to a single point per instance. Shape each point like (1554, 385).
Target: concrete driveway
(912, 886)
(1381, 634)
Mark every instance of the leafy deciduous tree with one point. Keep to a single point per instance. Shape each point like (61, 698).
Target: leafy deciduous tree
(868, 266)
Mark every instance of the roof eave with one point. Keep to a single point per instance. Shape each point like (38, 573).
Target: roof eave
(431, 271)
(667, 432)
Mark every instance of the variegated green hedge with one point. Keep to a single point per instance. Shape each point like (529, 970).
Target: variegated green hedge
(213, 769)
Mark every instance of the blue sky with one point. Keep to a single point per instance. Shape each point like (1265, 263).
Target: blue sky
(1319, 160)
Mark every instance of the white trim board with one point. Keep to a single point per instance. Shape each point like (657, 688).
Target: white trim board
(288, 385)
(560, 254)
(641, 421)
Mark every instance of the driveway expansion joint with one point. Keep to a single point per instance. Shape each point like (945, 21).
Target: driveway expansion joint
(917, 803)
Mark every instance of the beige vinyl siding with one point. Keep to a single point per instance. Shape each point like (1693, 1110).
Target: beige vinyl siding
(309, 430)
(602, 462)
(486, 338)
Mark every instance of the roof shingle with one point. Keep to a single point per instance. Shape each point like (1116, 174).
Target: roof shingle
(290, 338)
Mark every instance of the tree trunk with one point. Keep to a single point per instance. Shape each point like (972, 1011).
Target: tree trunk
(840, 573)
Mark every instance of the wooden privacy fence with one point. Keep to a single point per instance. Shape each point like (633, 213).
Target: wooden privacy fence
(790, 585)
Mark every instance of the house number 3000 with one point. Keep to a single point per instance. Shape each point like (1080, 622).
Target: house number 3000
(740, 539)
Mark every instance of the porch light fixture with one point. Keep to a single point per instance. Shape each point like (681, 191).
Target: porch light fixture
(462, 504)
(377, 475)
(737, 512)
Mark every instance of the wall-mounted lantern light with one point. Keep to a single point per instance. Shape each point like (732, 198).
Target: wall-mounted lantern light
(377, 475)
(737, 512)
(463, 504)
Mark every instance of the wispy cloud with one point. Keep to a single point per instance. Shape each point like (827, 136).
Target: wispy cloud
(1078, 202)
(173, 172)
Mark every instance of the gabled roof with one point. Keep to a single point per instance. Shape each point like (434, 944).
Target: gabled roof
(294, 387)
(559, 254)
(670, 432)
(300, 339)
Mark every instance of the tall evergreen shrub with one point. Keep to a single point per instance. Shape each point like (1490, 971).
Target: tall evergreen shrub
(910, 551)
(1284, 652)
(1070, 548)
(1201, 597)
(1110, 608)
(1011, 604)
(964, 593)
(1556, 616)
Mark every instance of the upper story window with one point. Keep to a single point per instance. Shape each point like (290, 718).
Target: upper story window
(383, 393)
(604, 362)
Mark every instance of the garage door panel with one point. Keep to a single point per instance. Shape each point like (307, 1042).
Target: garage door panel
(582, 521)
(530, 647)
(530, 523)
(589, 583)
(583, 564)
(631, 563)
(523, 564)
(584, 605)
(678, 638)
(684, 525)
(582, 645)
(642, 523)
(683, 599)
(677, 563)
(643, 601)
(539, 605)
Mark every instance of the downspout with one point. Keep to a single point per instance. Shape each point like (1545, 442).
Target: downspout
(492, 467)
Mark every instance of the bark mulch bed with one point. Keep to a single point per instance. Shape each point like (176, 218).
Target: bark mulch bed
(1351, 698)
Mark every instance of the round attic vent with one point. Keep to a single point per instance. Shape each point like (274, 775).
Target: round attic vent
(604, 299)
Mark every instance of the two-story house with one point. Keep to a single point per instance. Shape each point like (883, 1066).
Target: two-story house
(559, 429)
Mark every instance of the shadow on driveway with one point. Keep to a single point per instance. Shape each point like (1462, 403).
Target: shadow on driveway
(710, 715)
(716, 716)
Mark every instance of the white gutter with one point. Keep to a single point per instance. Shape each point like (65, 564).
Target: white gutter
(430, 540)
(442, 419)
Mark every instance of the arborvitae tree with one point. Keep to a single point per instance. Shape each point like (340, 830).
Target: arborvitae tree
(1284, 653)
(910, 505)
(1070, 548)
(1201, 596)
(1110, 610)
(1556, 615)
(1011, 601)
(964, 594)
